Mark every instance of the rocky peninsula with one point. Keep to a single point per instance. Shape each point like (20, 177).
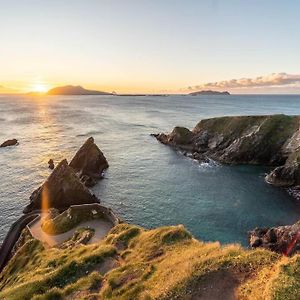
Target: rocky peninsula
(271, 140)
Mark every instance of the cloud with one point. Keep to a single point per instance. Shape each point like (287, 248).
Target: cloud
(272, 80)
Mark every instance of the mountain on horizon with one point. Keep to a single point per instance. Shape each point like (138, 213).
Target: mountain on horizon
(74, 90)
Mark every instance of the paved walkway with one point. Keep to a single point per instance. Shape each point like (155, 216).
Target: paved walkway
(101, 227)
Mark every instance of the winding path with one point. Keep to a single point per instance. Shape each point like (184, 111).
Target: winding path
(101, 226)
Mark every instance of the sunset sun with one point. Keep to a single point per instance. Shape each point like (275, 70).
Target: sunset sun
(40, 88)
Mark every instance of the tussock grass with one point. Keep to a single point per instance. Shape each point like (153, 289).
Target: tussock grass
(163, 263)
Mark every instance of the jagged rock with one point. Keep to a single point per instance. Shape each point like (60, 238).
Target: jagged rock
(88, 181)
(287, 175)
(255, 241)
(61, 190)
(89, 162)
(81, 236)
(51, 164)
(7, 143)
(282, 239)
(294, 192)
(272, 140)
(200, 157)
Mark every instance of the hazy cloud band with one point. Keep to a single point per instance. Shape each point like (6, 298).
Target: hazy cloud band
(275, 79)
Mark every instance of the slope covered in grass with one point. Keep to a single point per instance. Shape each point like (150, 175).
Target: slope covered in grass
(163, 263)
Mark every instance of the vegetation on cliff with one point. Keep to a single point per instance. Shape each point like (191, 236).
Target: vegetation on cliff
(163, 263)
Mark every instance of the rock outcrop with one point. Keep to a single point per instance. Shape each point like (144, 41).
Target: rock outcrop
(51, 164)
(8, 143)
(89, 163)
(272, 140)
(61, 190)
(282, 239)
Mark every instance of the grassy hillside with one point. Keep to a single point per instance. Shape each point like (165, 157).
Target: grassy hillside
(164, 263)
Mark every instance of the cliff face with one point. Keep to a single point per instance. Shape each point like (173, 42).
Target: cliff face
(263, 140)
(163, 263)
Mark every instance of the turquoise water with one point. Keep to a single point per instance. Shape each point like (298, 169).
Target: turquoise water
(147, 183)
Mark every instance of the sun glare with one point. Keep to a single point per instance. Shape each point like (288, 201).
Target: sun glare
(39, 88)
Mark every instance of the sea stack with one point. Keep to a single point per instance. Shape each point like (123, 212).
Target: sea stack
(51, 164)
(62, 189)
(89, 162)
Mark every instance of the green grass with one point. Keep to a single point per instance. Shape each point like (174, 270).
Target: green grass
(256, 139)
(181, 135)
(276, 127)
(163, 263)
(68, 220)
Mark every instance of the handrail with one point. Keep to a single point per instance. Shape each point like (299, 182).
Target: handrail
(13, 236)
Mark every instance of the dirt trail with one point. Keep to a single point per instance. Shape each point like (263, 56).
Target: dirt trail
(217, 285)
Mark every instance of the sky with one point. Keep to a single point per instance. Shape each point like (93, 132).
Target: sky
(151, 46)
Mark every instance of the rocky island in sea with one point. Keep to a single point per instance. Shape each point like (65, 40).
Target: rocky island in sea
(58, 256)
(74, 90)
(209, 93)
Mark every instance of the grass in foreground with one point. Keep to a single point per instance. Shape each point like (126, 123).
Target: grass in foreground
(163, 263)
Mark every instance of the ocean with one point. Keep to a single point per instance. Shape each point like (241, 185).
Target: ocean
(147, 183)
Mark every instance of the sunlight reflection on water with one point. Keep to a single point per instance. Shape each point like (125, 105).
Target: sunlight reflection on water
(147, 183)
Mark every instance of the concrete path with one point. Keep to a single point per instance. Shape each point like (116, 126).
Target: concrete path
(101, 227)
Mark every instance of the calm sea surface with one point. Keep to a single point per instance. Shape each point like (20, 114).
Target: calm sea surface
(147, 183)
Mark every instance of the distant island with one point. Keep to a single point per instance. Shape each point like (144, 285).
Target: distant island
(74, 90)
(209, 92)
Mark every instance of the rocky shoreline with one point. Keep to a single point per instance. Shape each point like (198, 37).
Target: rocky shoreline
(281, 239)
(129, 262)
(271, 140)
